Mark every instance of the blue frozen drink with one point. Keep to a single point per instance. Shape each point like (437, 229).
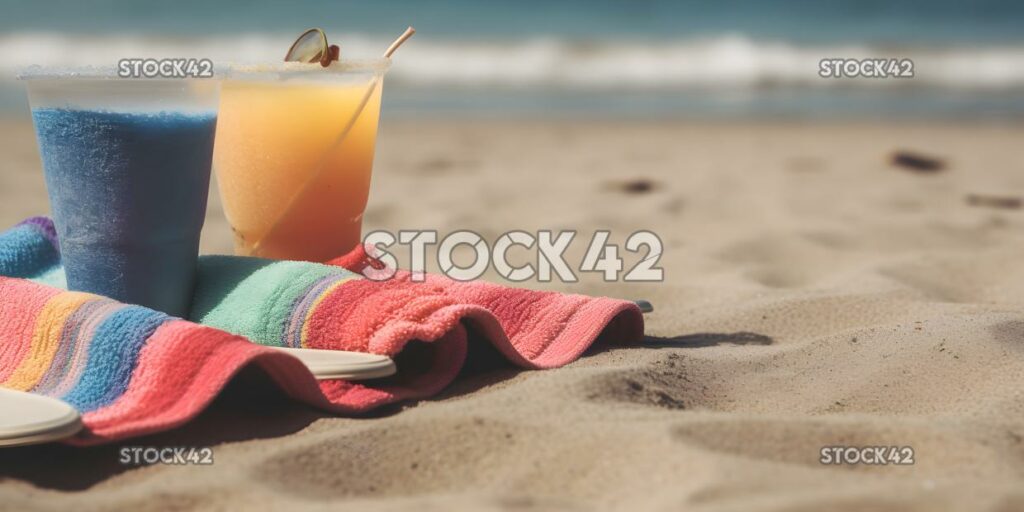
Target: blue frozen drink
(128, 189)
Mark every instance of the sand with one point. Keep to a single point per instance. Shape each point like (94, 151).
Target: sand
(815, 295)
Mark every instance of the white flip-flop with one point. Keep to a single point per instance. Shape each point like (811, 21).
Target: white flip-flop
(30, 419)
(340, 364)
(26, 418)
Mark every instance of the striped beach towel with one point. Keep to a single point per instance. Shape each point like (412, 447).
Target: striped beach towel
(132, 371)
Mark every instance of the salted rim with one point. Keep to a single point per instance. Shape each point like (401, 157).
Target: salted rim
(225, 70)
(340, 66)
(37, 72)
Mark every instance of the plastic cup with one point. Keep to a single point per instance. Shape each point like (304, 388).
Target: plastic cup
(294, 155)
(127, 167)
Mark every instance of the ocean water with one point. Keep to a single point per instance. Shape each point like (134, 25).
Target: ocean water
(638, 58)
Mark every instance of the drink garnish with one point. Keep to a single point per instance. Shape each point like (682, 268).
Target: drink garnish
(312, 47)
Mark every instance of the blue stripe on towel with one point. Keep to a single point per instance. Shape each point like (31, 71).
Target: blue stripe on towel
(112, 356)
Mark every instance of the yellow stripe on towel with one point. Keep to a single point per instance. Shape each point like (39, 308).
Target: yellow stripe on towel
(46, 339)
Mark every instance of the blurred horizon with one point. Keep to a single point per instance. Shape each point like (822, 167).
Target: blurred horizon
(650, 58)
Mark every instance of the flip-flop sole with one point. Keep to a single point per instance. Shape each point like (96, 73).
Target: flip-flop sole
(339, 364)
(31, 419)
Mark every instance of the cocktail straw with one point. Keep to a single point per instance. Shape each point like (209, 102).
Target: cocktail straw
(398, 42)
(254, 251)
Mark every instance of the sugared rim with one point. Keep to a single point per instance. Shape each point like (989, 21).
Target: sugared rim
(37, 72)
(378, 65)
(225, 70)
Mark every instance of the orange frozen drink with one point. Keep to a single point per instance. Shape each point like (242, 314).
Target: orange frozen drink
(293, 157)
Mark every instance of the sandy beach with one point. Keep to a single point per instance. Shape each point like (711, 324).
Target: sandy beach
(815, 295)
